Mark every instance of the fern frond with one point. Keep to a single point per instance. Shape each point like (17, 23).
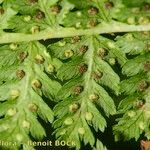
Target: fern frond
(135, 106)
(22, 90)
(86, 73)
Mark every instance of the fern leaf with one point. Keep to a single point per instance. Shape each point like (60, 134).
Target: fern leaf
(21, 92)
(85, 72)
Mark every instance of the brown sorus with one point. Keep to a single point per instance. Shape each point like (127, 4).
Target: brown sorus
(92, 23)
(1, 11)
(39, 14)
(92, 11)
(108, 5)
(37, 84)
(75, 39)
(143, 86)
(33, 107)
(83, 49)
(147, 66)
(97, 75)
(73, 108)
(22, 56)
(39, 59)
(83, 68)
(77, 90)
(55, 9)
(20, 74)
(140, 104)
(101, 52)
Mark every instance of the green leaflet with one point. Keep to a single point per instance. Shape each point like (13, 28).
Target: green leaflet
(98, 120)
(113, 50)
(47, 3)
(25, 7)
(109, 75)
(44, 111)
(132, 129)
(136, 13)
(27, 147)
(7, 54)
(67, 89)
(70, 67)
(136, 65)
(45, 6)
(132, 44)
(98, 56)
(135, 2)
(105, 101)
(128, 103)
(50, 87)
(66, 7)
(88, 14)
(25, 24)
(5, 106)
(132, 84)
(36, 130)
(99, 146)
(4, 18)
(81, 19)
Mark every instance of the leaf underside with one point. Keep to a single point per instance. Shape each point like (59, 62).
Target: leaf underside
(74, 83)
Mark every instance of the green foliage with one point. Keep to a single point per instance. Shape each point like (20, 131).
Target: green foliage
(56, 67)
(26, 82)
(86, 72)
(99, 145)
(135, 106)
